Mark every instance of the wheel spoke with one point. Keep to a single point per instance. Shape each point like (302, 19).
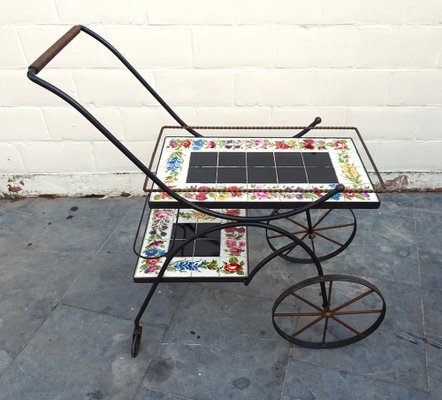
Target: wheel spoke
(281, 234)
(297, 314)
(294, 247)
(346, 325)
(329, 239)
(354, 300)
(307, 302)
(334, 227)
(356, 312)
(297, 223)
(322, 217)
(324, 333)
(296, 333)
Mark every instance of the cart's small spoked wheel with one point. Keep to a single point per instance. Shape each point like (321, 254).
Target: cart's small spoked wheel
(327, 232)
(136, 341)
(328, 311)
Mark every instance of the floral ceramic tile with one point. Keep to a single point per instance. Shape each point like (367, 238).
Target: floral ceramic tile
(296, 193)
(263, 193)
(344, 166)
(231, 243)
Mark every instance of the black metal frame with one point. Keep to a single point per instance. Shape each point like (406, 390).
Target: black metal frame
(264, 222)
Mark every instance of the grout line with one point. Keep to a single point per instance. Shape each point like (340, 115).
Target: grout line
(427, 365)
(368, 377)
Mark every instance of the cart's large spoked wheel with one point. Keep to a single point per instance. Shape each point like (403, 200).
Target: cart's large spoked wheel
(328, 311)
(327, 232)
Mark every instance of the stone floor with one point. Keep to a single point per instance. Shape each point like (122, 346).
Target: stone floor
(67, 301)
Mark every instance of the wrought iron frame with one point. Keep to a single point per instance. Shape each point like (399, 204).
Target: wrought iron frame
(264, 222)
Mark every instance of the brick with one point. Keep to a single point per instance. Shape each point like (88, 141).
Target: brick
(406, 156)
(51, 157)
(26, 12)
(67, 124)
(144, 124)
(10, 159)
(177, 12)
(277, 12)
(112, 88)
(101, 11)
(306, 115)
(12, 55)
(363, 12)
(398, 47)
(415, 88)
(233, 116)
(153, 47)
(232, 47)
(110, 159)
(273, 87)
(424, 12)
(344, 46)
(83, 51)
(385, 123)
(350, 87)
(17, 90)
(315, 47)
(197, 87)
(18, 123)
(429, 123)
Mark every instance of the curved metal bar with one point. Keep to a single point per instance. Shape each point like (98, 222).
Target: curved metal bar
(171, 254)
(140, 78)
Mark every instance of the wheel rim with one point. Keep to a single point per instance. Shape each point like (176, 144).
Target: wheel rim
(332, 232)
(354, 308)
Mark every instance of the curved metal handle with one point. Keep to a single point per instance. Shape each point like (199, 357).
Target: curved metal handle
(58, 46)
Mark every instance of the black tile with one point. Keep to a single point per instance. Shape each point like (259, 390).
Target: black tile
(260, 159)
(232, 175)
(201, 175)
(232, 159)
(321, 175)
(213, 235)
(186, 251)
(317, 159)
(183, 231)
(199, 159)
(290, 159)
(262, 175)
(292, 175)
(207, 248)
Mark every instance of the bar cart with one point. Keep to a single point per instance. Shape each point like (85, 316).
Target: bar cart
(201, 192)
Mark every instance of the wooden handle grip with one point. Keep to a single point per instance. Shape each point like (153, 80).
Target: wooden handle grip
(59, 45)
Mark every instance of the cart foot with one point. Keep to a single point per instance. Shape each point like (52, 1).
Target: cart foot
(327, 232)
(354, 308)
(136, 341)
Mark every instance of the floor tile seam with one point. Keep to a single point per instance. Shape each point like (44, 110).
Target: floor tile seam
(174, 395)
(17, 355)
(369, 377)
(427, 363)
(284, 383)
(110, 235)
(92, 258)
(73, 306)
(175, 312)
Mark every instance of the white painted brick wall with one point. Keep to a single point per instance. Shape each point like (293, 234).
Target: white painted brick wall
(373, 64)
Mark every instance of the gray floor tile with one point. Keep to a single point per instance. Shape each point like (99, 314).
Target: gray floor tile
(56, 228)
(309, 382)
(145, 394)
(30, 287)
(429, 232)
(220, 345)
(435, 366)
(430, 202)
(78, 355)
(395, 352)
(5, 360)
